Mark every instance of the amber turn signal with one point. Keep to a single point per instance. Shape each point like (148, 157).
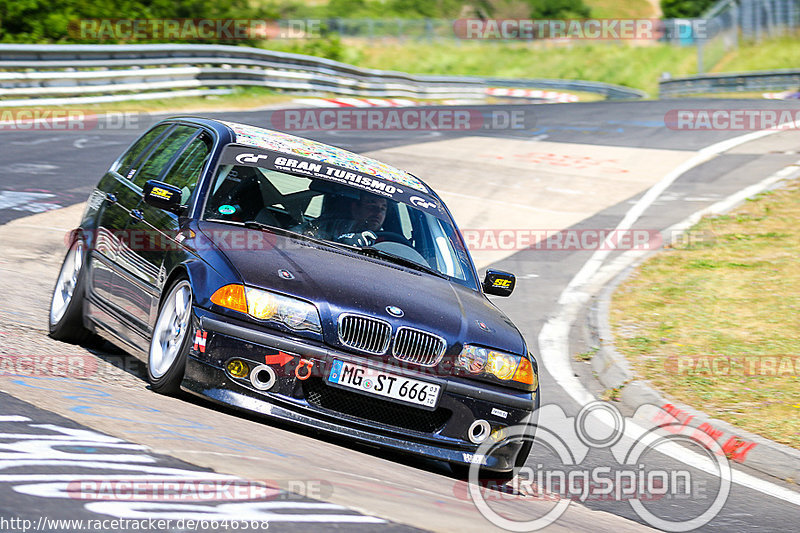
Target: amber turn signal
(232, 297)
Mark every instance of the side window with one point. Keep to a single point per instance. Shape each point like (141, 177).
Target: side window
(187, 168)
(138, 150)
(162, 154)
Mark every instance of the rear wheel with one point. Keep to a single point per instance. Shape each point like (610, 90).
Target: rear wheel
(166, 362)
(66, 306)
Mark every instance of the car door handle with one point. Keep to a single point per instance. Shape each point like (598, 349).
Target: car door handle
(137, 215)
(111, 198)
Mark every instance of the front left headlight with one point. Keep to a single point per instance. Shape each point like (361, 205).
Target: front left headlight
(501, 365)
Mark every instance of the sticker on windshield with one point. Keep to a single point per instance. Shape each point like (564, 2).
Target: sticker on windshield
(226, 209)
(303, 166)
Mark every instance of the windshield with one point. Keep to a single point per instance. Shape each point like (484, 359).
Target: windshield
(392, 230)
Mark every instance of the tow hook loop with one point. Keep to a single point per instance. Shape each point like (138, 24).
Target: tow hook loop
(303, 363)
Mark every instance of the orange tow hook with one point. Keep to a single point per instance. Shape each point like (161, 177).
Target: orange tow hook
(308, 364)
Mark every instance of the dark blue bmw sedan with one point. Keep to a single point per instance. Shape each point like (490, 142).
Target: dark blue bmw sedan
(303, 282)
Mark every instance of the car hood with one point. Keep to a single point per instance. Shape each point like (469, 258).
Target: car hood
(339, 281)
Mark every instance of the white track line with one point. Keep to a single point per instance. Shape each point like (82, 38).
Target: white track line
(554, 336)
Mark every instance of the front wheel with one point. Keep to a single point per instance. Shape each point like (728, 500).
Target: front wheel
(166, 361)
(66, 306)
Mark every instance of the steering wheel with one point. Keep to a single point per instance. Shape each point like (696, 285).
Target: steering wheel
(391, 236)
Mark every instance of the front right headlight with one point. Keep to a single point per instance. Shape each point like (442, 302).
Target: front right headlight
(266, 305)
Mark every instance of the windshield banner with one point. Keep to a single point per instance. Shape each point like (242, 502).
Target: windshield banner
(302, 166)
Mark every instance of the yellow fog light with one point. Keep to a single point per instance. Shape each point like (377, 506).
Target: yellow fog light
(498, 435)
(238, 369)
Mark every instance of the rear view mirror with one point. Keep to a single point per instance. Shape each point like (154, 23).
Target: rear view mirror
(163, 196)
(499, 283)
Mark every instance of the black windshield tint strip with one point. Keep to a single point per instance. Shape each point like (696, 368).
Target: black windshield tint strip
(312, 168)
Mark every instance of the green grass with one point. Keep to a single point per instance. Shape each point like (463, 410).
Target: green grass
(626, 9)
(627, 65)
(621, 64)
(725, 302)
(768, 55)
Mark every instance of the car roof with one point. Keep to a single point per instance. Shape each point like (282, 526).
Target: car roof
(278, 141)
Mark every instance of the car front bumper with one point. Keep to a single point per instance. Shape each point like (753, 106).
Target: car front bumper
(302, 395)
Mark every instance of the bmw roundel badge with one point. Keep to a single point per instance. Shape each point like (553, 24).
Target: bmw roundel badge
(394, 310)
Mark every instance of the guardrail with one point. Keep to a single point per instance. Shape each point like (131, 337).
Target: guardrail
(66, 70)
(71, 73)
(730, 83)
(612, 92)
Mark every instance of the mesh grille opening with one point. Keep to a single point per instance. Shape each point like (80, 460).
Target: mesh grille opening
(320, 395)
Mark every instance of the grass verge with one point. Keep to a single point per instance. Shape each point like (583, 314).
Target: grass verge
(621, 64)
(717, 324)
(617, 63)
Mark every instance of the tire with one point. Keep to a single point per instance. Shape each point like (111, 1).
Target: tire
(65, 319)
(169, 346)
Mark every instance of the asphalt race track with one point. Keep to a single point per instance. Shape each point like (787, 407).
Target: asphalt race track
(571, 166)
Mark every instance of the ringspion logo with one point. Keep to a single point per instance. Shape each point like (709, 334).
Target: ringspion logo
(561, 474)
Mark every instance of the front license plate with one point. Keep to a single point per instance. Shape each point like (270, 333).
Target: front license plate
(384, 384)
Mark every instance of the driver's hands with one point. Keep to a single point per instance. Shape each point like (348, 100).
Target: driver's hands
(365, 238)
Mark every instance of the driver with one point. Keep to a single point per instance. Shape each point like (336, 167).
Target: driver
(368, 212)
(357, 226)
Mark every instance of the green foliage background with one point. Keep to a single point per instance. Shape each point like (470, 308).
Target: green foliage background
(685, 8)
(48, 21)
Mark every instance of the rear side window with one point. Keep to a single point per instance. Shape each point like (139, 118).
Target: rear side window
(162, 155)
(139, 149)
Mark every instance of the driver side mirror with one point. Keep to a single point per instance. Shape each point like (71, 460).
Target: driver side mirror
(163, 196)
(499, 283)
